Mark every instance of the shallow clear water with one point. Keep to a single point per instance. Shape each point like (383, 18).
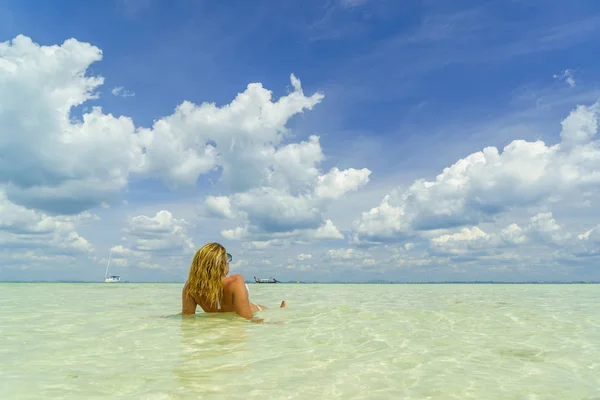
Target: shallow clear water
(88, 341)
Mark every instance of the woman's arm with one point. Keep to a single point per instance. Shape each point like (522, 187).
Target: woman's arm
(188, 304)
(241, 302)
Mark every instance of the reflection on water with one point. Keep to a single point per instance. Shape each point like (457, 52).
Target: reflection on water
(210, 344)
(338, 341)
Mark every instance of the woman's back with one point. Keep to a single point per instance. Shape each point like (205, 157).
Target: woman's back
(209, 287)
(234, 299)
(225, 304)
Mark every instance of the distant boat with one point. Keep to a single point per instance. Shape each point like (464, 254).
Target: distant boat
(265, 280)
(111, 278)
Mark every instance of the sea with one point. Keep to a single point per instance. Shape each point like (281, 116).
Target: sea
(333, 341)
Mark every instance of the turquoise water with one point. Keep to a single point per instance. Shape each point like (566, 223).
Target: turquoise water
(92, 341)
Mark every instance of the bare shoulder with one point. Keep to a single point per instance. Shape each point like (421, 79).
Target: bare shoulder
(234, 279)
(234, 282)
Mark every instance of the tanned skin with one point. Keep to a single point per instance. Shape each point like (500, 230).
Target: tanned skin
(235, 299)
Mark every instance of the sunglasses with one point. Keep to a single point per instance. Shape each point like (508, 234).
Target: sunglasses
(229, 257)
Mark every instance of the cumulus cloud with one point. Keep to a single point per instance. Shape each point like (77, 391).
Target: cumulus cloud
(579, 128)
(50, 161)
(240, 137)
(467, 241)
(328, 231)
(491, 183)
(464, 235)
(302, 232)
(218, 206)
(61, 164)
(55, 165)
(75, 163)
(286, 205)
(32, 236)
(513, 241)
(336, 183)
(513, 234)
(271, 210)
(146, 238)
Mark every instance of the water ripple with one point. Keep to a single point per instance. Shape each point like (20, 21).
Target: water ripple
(336, 341)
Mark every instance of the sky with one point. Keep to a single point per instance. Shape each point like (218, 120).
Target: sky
(330, 140)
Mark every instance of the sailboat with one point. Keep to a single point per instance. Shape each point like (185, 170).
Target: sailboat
(111, 278)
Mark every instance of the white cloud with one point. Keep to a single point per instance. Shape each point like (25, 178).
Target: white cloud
(303, 268)
(258, 240)
(148, 238)
(346, 254)
(382, 222)
(513, 234)
(237, 233)
(472, 243)
(464, 235)
(272, 210)
(71, 165)
(243, 137)
(262, 244)
(272, 191)
(544, 227)
(587, 243)
(328, 231)
(294, 166)
(580, 127)
(567, 76)
(286, 205)
(278, 188)
(490, 183)
(161, 233)
(77, 167)
(303, 256)
(32, 236)
(238, 264)
(219, 206)
(464, 241)
(336, 183)
(586, 235)
(120, 91)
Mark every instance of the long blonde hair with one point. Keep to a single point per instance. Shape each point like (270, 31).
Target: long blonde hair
(206, 272)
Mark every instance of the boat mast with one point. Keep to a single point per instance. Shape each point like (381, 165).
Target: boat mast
(107, 265)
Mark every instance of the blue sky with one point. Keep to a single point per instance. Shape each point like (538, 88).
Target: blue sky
(329, 184)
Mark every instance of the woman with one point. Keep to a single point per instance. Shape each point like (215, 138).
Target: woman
(209, 287)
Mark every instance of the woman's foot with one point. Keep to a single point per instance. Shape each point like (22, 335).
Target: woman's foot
(283, 304)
